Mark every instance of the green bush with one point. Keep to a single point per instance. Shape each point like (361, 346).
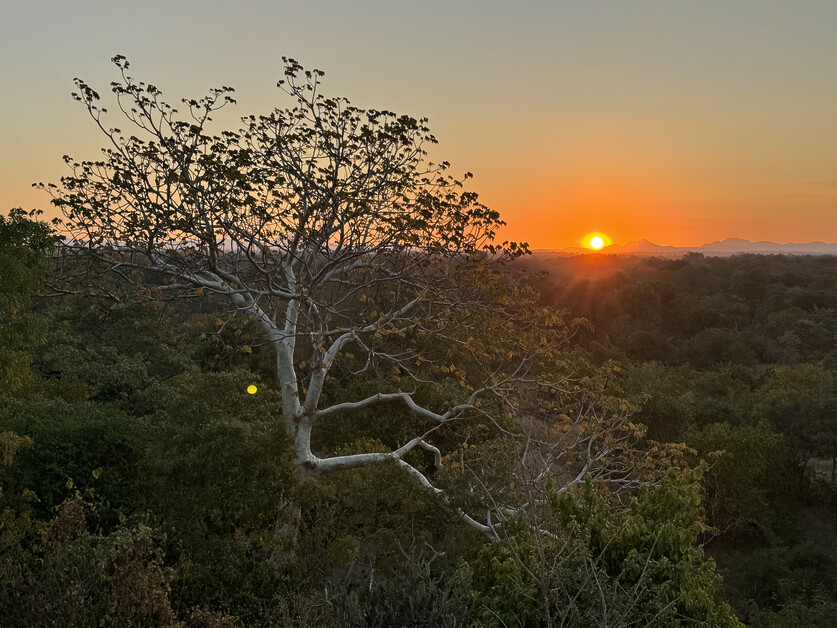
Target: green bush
(596, 565)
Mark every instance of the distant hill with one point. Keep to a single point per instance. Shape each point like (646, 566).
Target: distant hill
(719, 248)
(641, 247)
(737, 245)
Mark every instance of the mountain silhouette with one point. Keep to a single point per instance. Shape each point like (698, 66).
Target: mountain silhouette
(729, 246)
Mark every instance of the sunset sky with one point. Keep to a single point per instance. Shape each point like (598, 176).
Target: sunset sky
(682, 121)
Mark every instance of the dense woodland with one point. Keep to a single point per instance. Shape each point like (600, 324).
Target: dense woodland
(142, 485)
(286, 375)
(737, 358)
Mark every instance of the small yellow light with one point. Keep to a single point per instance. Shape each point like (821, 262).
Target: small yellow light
(252, 389)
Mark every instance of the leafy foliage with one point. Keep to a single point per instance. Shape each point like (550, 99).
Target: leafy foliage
(599, 566)
(25, 246)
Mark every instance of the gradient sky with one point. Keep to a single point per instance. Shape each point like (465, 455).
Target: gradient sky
(681, 121)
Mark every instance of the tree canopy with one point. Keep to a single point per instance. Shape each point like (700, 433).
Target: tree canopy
(328, 227)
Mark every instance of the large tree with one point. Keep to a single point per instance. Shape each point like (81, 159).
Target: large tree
(330, 227)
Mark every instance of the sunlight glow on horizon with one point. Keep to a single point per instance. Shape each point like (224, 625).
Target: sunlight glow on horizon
(636, 123)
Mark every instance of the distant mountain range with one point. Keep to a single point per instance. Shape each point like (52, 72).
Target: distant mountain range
(720, 248)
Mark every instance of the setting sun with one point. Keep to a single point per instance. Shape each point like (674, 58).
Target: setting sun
(596, 241)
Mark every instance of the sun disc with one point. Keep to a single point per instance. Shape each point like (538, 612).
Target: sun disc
(596, 241)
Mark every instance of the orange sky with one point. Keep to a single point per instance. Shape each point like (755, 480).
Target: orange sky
(678, 122)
